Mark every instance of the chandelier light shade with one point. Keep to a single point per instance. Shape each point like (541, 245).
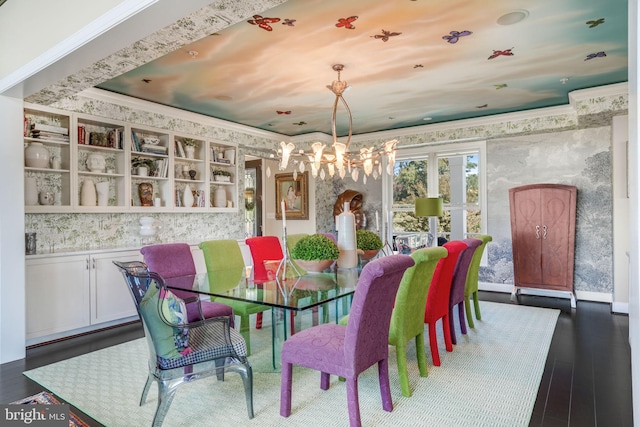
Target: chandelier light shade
(367, 160)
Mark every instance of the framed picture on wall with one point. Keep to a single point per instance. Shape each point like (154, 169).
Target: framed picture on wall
(295, 193)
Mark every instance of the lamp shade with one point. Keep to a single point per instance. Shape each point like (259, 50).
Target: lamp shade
(429, 206)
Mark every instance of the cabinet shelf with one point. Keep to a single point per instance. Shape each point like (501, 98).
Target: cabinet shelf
(102, 149)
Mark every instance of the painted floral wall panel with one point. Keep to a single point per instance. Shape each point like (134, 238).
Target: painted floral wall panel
(581, 158)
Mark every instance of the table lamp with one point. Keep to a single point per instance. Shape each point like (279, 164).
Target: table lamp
(431, 207)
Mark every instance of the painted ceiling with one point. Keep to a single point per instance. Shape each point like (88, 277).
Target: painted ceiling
(407, 62)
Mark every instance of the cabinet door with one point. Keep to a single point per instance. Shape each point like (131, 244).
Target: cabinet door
(110, 298)
(57, 295)
(558, 219)
(526, 233)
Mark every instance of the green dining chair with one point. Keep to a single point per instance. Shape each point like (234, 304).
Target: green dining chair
(407, 318)
(471, 286)
(225, 266)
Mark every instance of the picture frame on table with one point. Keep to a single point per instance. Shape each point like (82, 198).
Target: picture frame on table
(295, 193)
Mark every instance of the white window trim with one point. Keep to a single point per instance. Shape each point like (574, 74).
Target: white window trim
(435, 150)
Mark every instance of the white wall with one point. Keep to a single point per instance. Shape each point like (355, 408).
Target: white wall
(620, 196)
(24, 22)
(12, 291)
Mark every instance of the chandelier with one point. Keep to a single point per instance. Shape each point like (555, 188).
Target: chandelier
(340, 160)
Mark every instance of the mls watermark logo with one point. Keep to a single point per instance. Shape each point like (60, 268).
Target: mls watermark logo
(34, 415)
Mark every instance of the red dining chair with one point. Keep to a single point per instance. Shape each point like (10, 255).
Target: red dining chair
(457, 286)
(348, 350)
(263, 248)
(437, 307)
(174, 260)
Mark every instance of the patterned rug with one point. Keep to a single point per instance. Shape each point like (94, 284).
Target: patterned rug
(44, 398)
(490, 379)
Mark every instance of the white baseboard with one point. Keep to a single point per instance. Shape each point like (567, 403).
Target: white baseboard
(580, 295)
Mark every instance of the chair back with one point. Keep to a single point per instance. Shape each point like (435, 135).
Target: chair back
(367, 334)
(440, 288)
(224, 261)
(263, 248)
(461, 271)
(471, 285)
(407, 318)
(171, 260)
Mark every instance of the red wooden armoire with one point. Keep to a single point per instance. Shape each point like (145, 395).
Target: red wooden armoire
(543, 224)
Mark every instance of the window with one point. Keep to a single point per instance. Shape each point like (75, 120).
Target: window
(453, 172)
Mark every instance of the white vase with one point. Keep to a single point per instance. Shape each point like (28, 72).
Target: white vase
(88, 196)
(103, 193)
(36, 155)
(30, 191)
(189, 151)
(230, 154)
(187, 197)
(348, 257)
(147, 226)
(143, 171)
(220, 198)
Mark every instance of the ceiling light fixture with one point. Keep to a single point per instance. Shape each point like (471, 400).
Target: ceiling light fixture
(343, 161)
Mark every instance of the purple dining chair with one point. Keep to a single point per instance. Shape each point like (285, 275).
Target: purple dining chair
(174, 260)
(347, 351)
(457, 286)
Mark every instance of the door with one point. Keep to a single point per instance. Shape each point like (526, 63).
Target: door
(110, 297)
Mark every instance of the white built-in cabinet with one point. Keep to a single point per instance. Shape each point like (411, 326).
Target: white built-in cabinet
(69, 294)
(175, 162)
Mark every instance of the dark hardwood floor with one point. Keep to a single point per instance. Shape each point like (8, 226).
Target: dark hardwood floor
(586, 380)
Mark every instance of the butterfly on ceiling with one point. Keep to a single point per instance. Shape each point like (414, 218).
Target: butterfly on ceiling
(497, 53)
(595, 23)
(418, 66)
(595, 55)
(385, 35)
(263, 22)
(284, 112)
(347, 22)
(482, 106)
(289, 22)
(146, 80)
(454, 36)
(500, 86)
(300, 123)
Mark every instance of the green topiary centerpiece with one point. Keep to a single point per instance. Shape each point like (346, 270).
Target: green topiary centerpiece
(315, 247)
(368, 244)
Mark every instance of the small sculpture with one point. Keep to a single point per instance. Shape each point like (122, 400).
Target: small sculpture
(145, 192)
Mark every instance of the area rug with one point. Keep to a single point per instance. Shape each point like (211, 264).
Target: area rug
(44, 398)
(490, 379)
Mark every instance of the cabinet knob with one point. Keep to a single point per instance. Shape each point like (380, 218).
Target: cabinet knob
(537, 232)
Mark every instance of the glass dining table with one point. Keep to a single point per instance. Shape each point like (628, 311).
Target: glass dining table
(330, 291)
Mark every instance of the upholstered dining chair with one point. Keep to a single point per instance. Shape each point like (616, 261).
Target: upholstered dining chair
(263, 248)
(348, 350)
(457, 286)
(437, 307)
(407, 318)
(223, 258)
(174, 260)
(179, 351)
(471, 287)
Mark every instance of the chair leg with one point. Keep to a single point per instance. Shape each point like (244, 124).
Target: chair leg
(259, 320)
(285, 389)
(246, 373)
(463, 323)
(476, 305)
(385, 388)
(452, 328)
(447, 333)
(292, 318)
(433, 343)
(145, 391)
(324, 380)
(353, 404)
(244, 331)
(166, 391)
(220, 362)
(467, 309)
(421, 355)
(403, 374)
